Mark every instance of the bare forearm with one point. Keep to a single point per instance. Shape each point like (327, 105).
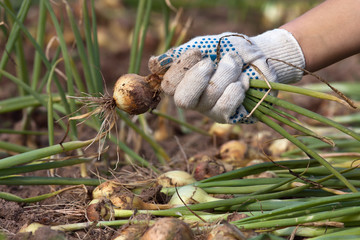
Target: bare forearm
(328, 33)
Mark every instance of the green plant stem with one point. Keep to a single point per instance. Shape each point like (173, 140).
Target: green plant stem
(301, 220)
(40, 39)
(11, 147)
(145, 24)
(135, 41)
(68, 72)
(15, 31)
(90, 81)
(95, 47)
(50, 110)
(350, 233)
(258, 168)
(94, 61)
(18, 103)
(303, 111)
(306, 231)
(295, 89)
(243, 190)
(42, 166)
(304, 206)
(245, 199)
(48, 181)
(241, 182)
(40, 153)
(21, 64)
(299, 144)
(271, 113)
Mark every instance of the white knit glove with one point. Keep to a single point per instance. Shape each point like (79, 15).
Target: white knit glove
(217, 89)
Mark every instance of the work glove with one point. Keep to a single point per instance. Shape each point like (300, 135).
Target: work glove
(215, 84)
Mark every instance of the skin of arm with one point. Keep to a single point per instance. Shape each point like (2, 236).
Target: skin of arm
(328, 33)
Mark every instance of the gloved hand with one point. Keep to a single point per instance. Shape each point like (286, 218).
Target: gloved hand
(198, 81)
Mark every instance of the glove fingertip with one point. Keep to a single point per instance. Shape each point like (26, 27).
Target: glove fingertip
(160, 64)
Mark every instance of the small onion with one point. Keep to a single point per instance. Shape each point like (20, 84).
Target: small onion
(32, 227)
(136, 94)
(191, 195)
(105, 189)
(39, 231)
(97, 210)
(168, 229)
(233, 152)
(130, 232)
(226, 231)
(130, 201)
(175, 178)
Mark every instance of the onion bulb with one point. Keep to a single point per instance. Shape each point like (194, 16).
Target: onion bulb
(190, 195)
(175, 178)
(105, 189)
(226, 231)
(130, 232)
(96, 210)
(168, 229)
(136, 94)
(131, 201)
(233, 152)
(32, 227)
(39, 231)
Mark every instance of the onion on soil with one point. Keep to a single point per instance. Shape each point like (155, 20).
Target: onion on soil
(131, 201)
(130, 232)
(168, 229)
(175, 178)
(233, 152)
(190, 195)
(105, 190)
(97, 210)
(225, 231)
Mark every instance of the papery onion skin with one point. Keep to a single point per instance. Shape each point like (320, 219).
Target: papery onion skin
(105, 189)
(175, 178)
(168, 229)
(226, 231)
(130, 232)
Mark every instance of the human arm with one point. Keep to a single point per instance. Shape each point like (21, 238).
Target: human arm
(327, 33)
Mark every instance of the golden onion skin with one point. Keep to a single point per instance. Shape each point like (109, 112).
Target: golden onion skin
(169, 228)
(136, 94)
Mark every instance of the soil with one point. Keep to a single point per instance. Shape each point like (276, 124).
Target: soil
(185, 149)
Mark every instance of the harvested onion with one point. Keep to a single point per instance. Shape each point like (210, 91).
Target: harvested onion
(97, 210)
(169, 229)
(130, 232)
(131, 201)
(190, 195)
(226, 231)
(136, 94)
(233, 152)
(175, 178)
(105, 189)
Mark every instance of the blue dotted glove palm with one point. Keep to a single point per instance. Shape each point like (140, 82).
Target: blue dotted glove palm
(215, 84)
